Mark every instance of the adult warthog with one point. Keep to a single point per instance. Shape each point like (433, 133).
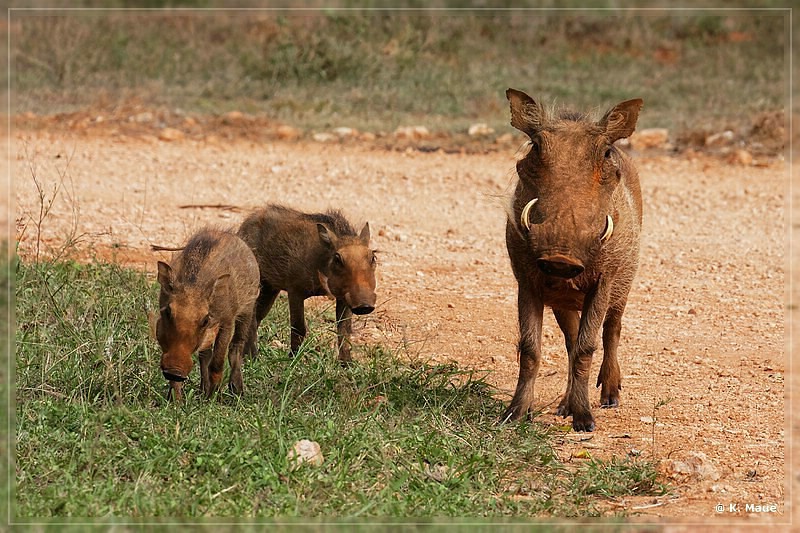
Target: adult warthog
(573, 240)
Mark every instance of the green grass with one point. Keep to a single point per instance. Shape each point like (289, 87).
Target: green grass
(96, 438)
(6, 328)
(375, 70)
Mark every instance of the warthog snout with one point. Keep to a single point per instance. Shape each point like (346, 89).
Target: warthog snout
(560, 265)
(362, 298)
(363, 309)
(173, 375)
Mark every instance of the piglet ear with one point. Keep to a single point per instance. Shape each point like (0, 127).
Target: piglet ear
(327, 237)
(219, 285)
(165, 276)
(620, 121)
(364, 236)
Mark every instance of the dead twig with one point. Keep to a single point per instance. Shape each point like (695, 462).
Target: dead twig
(225, 207)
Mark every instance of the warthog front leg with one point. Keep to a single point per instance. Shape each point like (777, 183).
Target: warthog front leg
(297, 319)
(580, 358)
(235, 352)
(569, 322)
(266, 298)
(344, 329)
(610, 377)
(212, 362)
(205, 357)
(530, 311)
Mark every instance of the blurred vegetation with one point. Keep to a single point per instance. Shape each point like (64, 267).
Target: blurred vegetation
(376, 69)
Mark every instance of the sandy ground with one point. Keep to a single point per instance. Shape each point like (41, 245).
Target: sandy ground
(705, 330)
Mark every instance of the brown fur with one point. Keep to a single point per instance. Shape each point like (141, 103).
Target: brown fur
(206, 303)
(310, 255)
(579, 177)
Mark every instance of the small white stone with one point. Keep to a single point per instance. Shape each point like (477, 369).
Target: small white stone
(305, 451)
(479, 130)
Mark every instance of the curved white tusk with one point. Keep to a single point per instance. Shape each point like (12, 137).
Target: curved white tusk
(609, 229)
(523, 218)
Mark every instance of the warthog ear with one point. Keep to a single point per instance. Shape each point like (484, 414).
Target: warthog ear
(526, 114)
(165, 276)
(218, 284)
(364, 235)
(620, 121)
(326, 236)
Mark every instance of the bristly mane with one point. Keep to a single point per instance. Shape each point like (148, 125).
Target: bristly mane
(195, 252)
(334, 219)
(574, 116)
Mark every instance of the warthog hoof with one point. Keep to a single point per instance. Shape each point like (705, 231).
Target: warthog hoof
(563, 409)
(583, 423)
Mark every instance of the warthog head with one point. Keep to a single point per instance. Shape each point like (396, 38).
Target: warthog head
(567, 180)
(184, 325)
(350, 274)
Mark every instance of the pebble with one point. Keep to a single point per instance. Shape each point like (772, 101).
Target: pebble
(305, 451)
(479, 130)
(142, 117)
(234, 116)
(716, 140)
(649, 138)
(344, 132)
(288, 133)
(414, 133)
(741, 157)
(323, 137)
(695, 467)
(170, 134)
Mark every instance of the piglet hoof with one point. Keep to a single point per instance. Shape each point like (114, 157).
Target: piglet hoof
(608, 403)
(583, 423)
(563, 409)
(251, 351)
(514, 412)
(345, 363)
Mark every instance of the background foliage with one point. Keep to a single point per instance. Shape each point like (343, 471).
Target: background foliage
(376, 69)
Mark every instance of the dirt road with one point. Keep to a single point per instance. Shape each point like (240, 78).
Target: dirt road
(704, 332)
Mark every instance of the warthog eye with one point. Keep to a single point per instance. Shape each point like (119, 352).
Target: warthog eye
(374, 259)
(166, 312)
(608, 153)
(204, 321)
(536, 148)
(337, 258)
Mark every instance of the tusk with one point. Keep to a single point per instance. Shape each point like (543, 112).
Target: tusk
(609, 229)
(523, 218)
